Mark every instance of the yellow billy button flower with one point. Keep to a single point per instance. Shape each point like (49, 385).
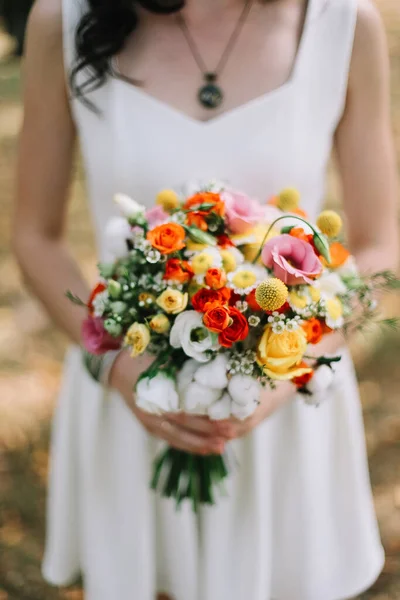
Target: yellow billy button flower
(172, 301)
(168, 199)
(202, 262)
(160, 323)
(330, 223)
(289, 199)
(271, 294)
(138, 338)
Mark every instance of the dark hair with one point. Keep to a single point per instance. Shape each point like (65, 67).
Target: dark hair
(102, 33)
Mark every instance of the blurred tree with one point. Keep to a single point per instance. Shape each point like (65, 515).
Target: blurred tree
(15, 14)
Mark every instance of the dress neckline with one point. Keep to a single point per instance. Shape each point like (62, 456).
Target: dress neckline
(253, 102)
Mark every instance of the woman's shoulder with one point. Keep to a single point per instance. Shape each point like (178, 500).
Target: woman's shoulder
(370, 50)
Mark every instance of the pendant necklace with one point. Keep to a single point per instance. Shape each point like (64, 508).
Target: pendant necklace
(210, 95)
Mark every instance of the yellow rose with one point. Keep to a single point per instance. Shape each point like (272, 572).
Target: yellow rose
(280, 354)
(138, 337)
(160, 323)
(172, 301)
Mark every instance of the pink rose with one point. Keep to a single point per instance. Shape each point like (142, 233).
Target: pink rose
(292, 260)
(156, 216)
(242, 212)
(96, 339)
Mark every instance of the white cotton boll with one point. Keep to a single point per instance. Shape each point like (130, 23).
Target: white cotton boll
(117, 231)
(198, 398)
(157, 395)
(243, 412)
(214, 373)
(221, 409)
(244, 390)
(186, 374)
(128, 206)
(321, 381)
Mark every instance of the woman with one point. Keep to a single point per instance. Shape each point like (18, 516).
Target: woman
(296, 78)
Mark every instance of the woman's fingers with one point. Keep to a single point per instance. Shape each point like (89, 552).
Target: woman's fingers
(184, 439)
(195, 423)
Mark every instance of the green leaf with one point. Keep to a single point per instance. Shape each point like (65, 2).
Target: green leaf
(200, 237)
(75, 299)
(287, 229)
(106, 270)
(322, 245)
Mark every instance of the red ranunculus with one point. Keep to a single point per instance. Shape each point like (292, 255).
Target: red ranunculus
(206, 299)
(178, 270)
(237, 330)
(302, 380)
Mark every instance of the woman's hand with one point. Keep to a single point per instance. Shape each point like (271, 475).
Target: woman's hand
(193, 434)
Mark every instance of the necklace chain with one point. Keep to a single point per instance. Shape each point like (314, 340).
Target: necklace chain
(228, 49)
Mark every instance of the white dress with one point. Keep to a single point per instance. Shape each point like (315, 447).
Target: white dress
(299, 522)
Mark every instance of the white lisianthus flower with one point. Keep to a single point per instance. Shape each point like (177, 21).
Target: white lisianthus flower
(128, 206)
(221, 409)
(157, 395)
(243, 412)
(198, 398)
(189, 333)
(214, 373)
(244, 390)
(117, 232)
(186, 375)
(330, 285)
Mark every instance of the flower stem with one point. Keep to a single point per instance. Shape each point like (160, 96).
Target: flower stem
(271, 227)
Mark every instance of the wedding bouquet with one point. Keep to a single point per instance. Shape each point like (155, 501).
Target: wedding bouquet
(227, 295)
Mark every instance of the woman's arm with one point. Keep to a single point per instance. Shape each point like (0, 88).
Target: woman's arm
(367, 164)
(44, 170)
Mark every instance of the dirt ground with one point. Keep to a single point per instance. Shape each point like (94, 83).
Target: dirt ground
(31, 353)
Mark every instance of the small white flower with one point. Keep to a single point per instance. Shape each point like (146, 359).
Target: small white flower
(292, 325)
(100, 303)
(153, 256)
(128, 206)
(157, 395)
(117, 232)
(330, 285)
(178, 217)
(221, 409)
(242, 305)
(189, 333)
(214, 373)
(275, 317)
(244, 390)
(254, 321)
(349, 268)
(198, 398)
(279, 327)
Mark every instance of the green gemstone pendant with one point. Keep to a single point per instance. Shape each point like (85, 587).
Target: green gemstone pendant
(210, 95)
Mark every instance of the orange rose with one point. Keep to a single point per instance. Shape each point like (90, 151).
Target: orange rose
(237, 331)
(207, 198)
(196, 219)
(206, 299)
(178, 270)
(215, 278)
(325, 329)
(302, 380)
(299, 233)
(339, 255)
(225, 294)
(217, 319)
(167, 238)
(313, 330)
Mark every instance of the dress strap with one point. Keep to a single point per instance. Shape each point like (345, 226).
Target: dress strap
(324, 66)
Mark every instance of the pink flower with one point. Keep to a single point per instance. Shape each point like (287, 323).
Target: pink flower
(292, 260)
(242, 212)
(96, 339)
(156, 216)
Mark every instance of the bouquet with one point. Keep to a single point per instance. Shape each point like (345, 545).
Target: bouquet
(227, 295)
